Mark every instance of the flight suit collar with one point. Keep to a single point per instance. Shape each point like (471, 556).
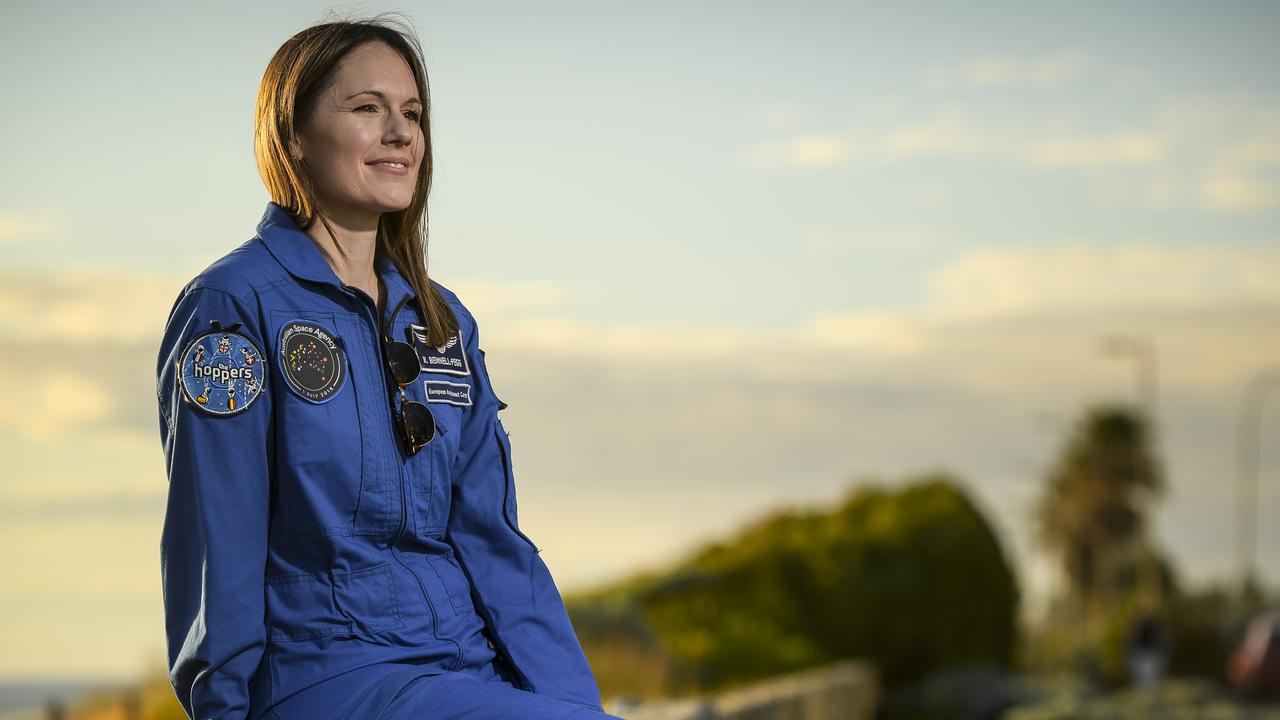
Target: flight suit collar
(295, 250)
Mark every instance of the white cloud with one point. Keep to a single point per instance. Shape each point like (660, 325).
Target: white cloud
(1001, 72)
(638, 413)
(20, 227)
(947, 133)
(84, 306)
(952, 132)
(1238, 192)
(805, 149)
(1100, 279)
(986, 313)
(1217, 154)
(1090, 152)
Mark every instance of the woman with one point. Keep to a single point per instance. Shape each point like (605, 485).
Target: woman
(340, 539)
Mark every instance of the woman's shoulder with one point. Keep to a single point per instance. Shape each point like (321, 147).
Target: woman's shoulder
(242, 272)
(459, 309)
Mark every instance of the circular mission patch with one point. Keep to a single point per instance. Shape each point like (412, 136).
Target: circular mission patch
(311, 361)
(222, 372)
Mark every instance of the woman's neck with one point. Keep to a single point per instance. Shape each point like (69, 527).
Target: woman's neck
(350, 251)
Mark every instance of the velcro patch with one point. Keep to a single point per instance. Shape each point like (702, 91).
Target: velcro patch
(311, 361)
(448, 358)
(440, 391)
(222, 372)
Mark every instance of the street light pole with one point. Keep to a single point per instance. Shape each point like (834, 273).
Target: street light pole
(1249, 461)
(1144, 353)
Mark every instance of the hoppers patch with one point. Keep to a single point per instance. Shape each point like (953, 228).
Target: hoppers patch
(440, 391)
(311, 361)
(222, 372)
(448, 358)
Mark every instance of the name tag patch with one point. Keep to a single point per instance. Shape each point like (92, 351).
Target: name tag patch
(311, 361)
(440, 391)
(222, 372)
(448, 358)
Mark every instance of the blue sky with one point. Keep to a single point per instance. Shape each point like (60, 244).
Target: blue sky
(725, 256)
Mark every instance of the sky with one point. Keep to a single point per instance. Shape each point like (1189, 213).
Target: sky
(726, 257)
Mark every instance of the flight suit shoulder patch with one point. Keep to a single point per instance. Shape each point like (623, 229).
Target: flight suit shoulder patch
(222, 371)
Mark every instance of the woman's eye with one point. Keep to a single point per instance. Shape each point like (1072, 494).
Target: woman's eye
(413, 115)
(371, 107)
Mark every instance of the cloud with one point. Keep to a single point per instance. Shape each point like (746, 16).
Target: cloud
(21, 227)
(1243, 174)
(1100, 280)
(952, 132)
(79, 347)
(1238, 192)
(947, 133)
(1095, 152)
(81, 306)
(1184, 154)
(805, 150)
(636, 414)
(1004, 72)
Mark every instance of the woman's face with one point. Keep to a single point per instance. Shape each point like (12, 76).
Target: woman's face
(362, 142)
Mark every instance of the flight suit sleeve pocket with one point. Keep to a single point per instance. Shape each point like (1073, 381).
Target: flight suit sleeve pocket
(509, 513)
(306, 606)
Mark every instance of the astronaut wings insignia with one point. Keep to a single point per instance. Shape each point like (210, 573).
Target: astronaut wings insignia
(448, 358)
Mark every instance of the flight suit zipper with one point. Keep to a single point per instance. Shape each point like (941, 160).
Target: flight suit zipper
(372, 309)
(501, 647)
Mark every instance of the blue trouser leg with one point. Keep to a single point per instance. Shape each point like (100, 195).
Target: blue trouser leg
(458, 696)
(404, 693)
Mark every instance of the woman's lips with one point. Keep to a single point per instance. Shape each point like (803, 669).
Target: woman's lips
(390, 167)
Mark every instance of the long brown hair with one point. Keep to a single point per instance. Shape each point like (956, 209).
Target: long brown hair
(293, 80)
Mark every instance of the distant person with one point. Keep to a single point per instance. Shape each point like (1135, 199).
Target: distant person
(1148, 651)
(340, 538)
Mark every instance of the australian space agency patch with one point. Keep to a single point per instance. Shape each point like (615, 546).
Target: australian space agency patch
(222, 372)
(448, 358)
(311, 361)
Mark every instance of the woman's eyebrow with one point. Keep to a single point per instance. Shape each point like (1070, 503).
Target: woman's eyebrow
(382, 95)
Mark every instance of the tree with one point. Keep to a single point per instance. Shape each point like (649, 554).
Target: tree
(1092, 515)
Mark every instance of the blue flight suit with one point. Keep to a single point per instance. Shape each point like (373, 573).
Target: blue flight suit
(311, 567)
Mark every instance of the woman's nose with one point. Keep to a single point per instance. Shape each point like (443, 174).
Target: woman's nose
(400, 129)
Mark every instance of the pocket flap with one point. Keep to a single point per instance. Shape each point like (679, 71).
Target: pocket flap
(310, 605)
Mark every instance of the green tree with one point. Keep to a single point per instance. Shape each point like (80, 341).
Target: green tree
(1092, 516)
(912, 579)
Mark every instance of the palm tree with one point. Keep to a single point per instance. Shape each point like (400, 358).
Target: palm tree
(1091, 516)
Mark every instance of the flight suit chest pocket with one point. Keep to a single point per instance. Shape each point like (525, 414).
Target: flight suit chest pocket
(443, 387)
(306, 606)
(323, 484)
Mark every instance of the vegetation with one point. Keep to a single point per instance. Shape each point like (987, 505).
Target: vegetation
(911, 580)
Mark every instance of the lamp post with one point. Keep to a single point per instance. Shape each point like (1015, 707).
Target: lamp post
(1249, 462)
(1143, 351)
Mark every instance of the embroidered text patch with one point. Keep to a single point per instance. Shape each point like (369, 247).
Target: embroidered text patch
(448, 358)
(222, 372)
(440, 391)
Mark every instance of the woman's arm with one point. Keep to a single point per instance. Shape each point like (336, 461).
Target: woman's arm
(515, 590)
(213, 545)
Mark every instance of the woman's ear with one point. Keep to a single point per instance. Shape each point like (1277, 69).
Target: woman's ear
(295, 148)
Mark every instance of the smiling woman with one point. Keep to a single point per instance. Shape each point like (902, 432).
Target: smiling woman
(340, 538)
